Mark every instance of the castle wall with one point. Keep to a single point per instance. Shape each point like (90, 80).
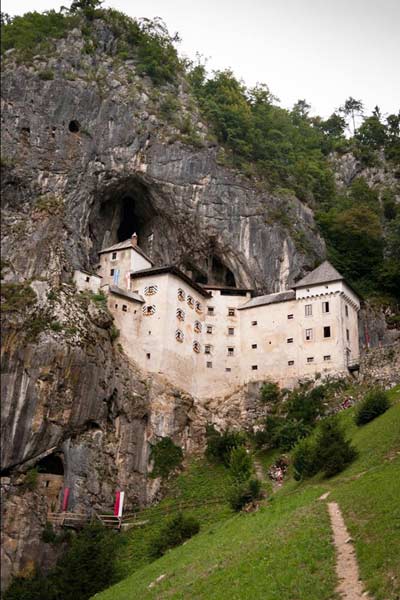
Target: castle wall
(86, 281)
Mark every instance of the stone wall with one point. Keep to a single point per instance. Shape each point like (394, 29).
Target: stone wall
(381, 365)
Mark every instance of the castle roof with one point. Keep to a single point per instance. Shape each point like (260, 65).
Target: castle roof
(126, 244)
(174, 271)
(269, 299)
(325, 273)
(126, 294)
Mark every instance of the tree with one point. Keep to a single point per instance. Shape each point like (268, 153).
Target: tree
(85, 5)
(352, 108)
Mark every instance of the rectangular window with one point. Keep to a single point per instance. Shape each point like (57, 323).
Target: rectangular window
(210, 310)
(347, 335)
(254, 323)
(231, 312)
(112, 272)
(310, 359)
(209, 329)
(87, 279)
(254, 346)
(290, 363)
(231, 331)
(308, 310)
(290, 340)
(209, 365)
(124, 308)
(228, 369)
(309, 335)
(325, 307)
(254, 367)
(115, 305)
(327, 332)
(148, 355)
(346, 310)
(149, 333)
(231, 351)
(207, 349)
(327, 357)
(290, 317)
(113, 255)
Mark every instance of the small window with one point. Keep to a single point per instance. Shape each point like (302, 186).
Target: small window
(289, 340)
(190, 301)
(150, 290)
(124, 308)
(112, 272)
(254, 367)
(115, 305)
(290, 316)
(347, 335)
(231, 312)
(254, 323)
(325, 307)
(179, 336)
(87, 279)
(231, 351)
(149, 333)
(346, 310)
(309, 335)
(310, 359)
(148, 310)
(228, 369)
(290, 363)
(210, 310)
(196, 347)
(254, 346)
(209, 329)
(197, 327)
(181, 295)
(207, 349)
(327, 357)
(308, 310)
(231, 331)
(113, 255)
(209, 365)
(327, 332)
(180, 314)
(198, 307)
(148, 355)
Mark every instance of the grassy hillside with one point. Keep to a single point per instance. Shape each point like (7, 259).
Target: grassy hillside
(284, 551)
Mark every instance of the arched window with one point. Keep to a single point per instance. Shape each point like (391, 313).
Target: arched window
(181, 295)
(197, 326)
(148, 310)
(179, 336)
(150, 290)
(199, 308)
(190, 301)
(196, 347)
(180, 314)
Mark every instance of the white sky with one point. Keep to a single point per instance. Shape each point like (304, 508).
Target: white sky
(320, 50)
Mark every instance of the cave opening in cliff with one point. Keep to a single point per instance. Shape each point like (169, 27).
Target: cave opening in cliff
(51, 464)
(219, 274)
(135, 217)
(50, 480)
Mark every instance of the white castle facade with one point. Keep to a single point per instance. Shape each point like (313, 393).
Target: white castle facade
(210, 340)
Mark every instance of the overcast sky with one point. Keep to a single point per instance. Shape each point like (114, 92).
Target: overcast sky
(320, 50)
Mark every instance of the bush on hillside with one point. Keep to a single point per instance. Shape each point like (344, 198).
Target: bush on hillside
(244, 492)
(270, 392)
(220, 445)
(375, 403)
(240, 464)
(328, 451)
(175, 532)
(166, 457)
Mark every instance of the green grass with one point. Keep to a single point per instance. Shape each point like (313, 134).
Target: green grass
(284, 551)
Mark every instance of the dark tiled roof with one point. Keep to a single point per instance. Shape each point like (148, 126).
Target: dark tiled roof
(322, 274)
(126, 294)
(269, 299)
(174, 271)
(126, 244)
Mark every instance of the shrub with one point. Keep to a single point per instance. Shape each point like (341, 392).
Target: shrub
(270, 393)
(285, 432)
(333, 451)
(114, 332)
(16, 296)
(220, 445)
(174, 533)
(304, 459)
(46, 75)
(166, 457)
(31, 479)
(56, 326)
(244, 492)
(375, 403)
(240, 464)
(48, 534)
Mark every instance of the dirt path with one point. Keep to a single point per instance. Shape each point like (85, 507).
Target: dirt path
(350, 587)
(259, 469)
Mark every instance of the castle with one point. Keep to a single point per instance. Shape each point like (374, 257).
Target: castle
(210, 340)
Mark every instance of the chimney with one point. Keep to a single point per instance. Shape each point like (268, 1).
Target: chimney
(134, 240)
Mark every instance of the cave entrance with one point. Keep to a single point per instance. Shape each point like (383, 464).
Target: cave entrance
(219, 274)
(51, 480)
